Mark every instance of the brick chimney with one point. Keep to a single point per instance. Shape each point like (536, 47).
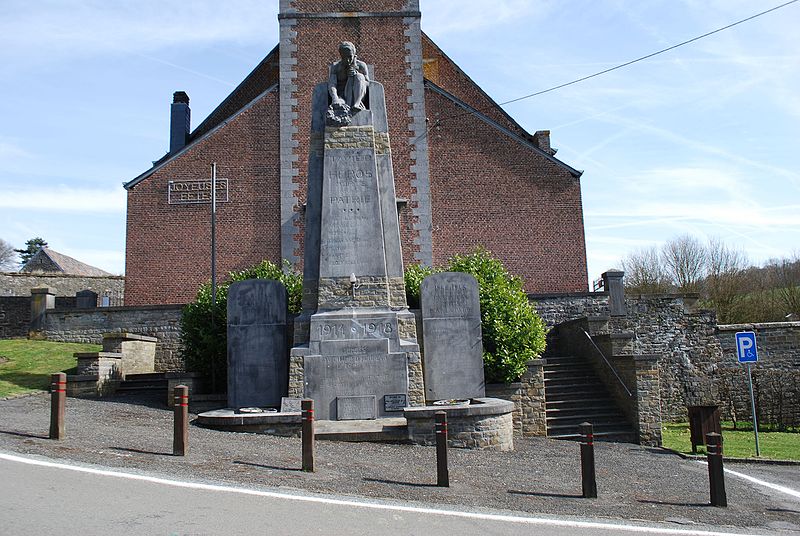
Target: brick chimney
(180, 121)
(542, 140)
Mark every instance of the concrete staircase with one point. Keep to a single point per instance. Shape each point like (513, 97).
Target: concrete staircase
(151, 382)
(574, 394)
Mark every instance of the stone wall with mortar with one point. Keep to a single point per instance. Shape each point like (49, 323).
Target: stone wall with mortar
(485, 424)
(776, 375)
(89, 326)
(529, 414)
(15, 316)
(20, 284)
(684, 338)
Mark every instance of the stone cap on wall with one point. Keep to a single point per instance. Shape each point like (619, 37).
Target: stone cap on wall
(128, 336)
(479, 407)
(758, 325)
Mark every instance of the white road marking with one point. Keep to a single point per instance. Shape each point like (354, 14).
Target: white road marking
(776, 487)
(371, 505)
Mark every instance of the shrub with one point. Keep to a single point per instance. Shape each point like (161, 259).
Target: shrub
(513, 333)
(414, 274)
(205, 336)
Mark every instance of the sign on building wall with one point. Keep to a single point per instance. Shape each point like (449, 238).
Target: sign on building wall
(196, 192)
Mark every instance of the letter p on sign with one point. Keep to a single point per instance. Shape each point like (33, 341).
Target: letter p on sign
(746, 349)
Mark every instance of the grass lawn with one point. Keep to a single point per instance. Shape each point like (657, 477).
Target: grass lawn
(740, 443)
(25, 366)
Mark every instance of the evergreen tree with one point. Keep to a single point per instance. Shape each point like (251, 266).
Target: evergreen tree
(32, 246)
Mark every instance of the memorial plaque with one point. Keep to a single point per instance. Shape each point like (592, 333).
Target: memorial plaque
(291, 405)
(395, 402)
(451, 327)
(330, 377)
(258, 364)
(351, 408)
(352, 235)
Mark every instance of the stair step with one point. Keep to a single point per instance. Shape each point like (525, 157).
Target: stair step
(124, 387)
(602, 409)
(621, 436)
(596, 419)
(145, 376)
(579, 403)
(599, 427)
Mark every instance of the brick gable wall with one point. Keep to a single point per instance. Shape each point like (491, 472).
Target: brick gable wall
(168, 246)
(488, 189)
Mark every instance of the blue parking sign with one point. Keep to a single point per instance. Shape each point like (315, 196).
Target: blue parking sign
(746, 347)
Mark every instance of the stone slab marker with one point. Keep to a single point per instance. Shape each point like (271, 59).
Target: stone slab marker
(258, 365)
(86, 299)
(451, 328)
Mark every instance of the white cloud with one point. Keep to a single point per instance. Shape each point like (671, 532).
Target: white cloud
(65, 199)
(11, 151)
(53, 30)
(463, 16)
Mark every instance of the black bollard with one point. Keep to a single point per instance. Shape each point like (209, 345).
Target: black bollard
(716, 472)
(440, 427)
(180, 436)
(58, 399)
(588, 478)
(307, 416)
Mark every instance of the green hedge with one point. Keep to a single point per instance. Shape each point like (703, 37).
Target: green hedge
(512, 331)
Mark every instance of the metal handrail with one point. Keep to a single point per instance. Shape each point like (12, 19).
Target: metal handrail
(622, 383)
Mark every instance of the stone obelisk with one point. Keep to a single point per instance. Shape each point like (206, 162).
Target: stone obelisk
(355, 350)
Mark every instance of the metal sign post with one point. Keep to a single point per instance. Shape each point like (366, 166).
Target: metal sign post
(747, 352)
(213, 263)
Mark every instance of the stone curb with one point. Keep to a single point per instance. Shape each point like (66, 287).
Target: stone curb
(763, 461)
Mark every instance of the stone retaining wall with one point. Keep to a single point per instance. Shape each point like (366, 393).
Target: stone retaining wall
(529, 414)
(89, 326)
(776, 375)
(557, 308)
(21, 283)
(15, 316)
(486, 423)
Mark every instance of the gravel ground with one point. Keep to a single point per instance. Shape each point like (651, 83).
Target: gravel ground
(539, 476)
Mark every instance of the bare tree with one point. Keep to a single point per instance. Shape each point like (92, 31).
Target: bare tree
(7, 256)
(644, 272)
(786, 273)
(684, 258)
(725, 279)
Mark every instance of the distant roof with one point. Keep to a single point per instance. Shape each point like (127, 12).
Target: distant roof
(47, 260)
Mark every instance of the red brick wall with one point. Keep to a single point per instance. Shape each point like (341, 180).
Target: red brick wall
(441, 70)
(379, 41)
(168, 246)
(490, 190)
(329, 6)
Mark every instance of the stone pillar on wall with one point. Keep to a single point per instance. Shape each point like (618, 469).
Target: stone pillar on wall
(41, 300)
(612, 282)
(529, 415)
(648, 399)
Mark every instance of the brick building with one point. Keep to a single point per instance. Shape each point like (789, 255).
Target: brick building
(466, 173)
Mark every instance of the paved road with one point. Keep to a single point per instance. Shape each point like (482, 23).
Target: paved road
(43, 497)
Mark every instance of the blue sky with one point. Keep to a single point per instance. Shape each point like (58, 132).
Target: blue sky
(701, 140)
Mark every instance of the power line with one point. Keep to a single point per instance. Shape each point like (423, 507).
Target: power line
(627, 63)
(673, 47)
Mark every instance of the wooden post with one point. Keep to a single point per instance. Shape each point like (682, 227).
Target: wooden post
(588, 477)
(716, 472)
(440, 427)
(58, 399)
(307, 415)
(180, 441)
